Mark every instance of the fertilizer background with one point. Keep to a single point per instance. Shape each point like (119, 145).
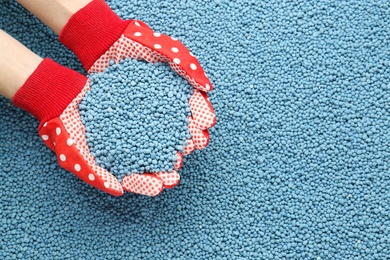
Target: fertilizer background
(297, 166)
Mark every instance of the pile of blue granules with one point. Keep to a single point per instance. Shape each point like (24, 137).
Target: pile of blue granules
(136, 117)
(298, 165)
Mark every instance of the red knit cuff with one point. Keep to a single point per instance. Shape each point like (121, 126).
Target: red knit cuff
(49, 90)
(91, 31)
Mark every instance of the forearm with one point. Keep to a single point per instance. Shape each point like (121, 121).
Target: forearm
(17, 63)
(54, 13)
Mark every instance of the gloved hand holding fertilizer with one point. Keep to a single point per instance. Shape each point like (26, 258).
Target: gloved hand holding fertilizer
(105, 44)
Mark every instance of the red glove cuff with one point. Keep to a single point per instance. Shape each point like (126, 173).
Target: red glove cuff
(91, 31)
(49, 90)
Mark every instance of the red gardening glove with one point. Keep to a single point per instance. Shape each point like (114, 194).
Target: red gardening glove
(52, 94)
(105, 37)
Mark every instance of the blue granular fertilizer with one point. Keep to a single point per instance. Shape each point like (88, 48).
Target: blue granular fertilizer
(297, 166)
(136, 117)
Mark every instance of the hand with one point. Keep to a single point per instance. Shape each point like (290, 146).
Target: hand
(65, 135)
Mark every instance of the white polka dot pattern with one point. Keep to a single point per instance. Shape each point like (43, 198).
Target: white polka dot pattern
(170, 179)
(189, 148)
(182, 73)
(146, 184)
(62, 157)
(125, 48)
(200, 137)
(202, 111)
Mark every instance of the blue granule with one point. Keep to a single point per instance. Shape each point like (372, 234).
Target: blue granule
(136, 117)
(298, 165)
